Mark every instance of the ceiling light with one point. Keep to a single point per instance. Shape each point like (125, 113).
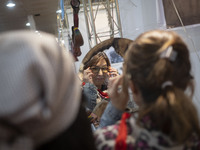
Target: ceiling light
(28, 24)
(59, 11)
(10, 4)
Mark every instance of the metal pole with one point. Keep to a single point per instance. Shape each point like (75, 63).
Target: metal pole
(87, 24)
(109, 19)
(92, 21)
(118, 18)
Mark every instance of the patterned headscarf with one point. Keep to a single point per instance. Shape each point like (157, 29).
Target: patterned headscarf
(39, 90)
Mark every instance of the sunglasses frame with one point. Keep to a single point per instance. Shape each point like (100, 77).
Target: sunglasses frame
(103, 69)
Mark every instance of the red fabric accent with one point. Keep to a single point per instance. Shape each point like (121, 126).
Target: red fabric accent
(103, 94)
(122, 134)
(76, 20)
(83, 83)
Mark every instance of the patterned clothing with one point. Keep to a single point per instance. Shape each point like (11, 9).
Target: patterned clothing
(138, 138)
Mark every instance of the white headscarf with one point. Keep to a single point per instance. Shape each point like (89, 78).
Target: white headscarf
(39, 90)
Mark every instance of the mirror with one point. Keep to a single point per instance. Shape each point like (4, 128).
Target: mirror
(115, 49)
(97, 68)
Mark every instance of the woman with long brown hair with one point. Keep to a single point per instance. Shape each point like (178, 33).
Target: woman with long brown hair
(157, 70)
(95, 81)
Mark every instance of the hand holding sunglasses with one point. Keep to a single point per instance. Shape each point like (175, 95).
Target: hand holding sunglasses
(87, 75)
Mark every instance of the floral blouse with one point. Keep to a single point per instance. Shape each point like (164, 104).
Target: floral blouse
(138, 138)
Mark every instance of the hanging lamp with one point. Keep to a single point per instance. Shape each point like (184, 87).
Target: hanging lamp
(10, 4)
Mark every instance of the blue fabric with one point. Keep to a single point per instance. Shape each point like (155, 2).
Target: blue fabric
(110, 116)
(90, 91)
(62, 8)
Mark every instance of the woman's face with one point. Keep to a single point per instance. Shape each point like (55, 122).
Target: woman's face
(100, 71)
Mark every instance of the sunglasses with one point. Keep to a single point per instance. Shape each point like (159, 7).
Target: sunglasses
(97, 69)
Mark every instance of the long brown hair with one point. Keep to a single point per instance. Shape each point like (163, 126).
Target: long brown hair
(169, 107)
(96, 58)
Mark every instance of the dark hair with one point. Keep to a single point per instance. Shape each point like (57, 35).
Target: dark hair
(78, 136)
(96, 58)
(170, 108)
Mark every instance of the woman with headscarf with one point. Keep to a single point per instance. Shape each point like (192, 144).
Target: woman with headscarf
(157, 70)
(40, 95)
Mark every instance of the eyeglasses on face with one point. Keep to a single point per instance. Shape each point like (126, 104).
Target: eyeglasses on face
(96, 69)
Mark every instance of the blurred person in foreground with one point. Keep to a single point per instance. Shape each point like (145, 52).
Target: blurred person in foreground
(40, 95)
(157, 70)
